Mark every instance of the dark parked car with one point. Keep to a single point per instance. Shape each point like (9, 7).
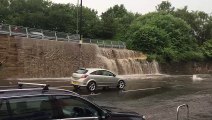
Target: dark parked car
(54, 104)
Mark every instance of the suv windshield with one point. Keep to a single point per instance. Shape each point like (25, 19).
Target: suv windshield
(81, 71)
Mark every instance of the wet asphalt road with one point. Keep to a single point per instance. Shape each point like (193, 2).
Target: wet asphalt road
(155, 96)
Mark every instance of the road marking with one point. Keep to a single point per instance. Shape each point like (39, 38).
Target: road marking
(178, 86)
(64, 86)
(141, 89)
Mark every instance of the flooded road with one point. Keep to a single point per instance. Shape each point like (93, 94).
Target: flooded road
(155, 96)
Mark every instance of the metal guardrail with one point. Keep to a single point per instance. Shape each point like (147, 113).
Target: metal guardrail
(34, 33)
(178, 109)
(106, 44)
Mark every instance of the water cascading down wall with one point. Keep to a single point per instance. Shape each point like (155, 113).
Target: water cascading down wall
(23, 58)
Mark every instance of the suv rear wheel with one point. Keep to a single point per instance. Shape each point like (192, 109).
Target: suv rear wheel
(91, 86)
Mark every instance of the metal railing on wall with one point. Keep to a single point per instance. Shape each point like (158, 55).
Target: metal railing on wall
(34, 33)
(106, 43)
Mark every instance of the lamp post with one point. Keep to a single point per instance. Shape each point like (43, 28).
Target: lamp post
(80, 29)
(80, 45)
(80, 32)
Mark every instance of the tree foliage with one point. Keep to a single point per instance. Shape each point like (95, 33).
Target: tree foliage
(47, 15)
(162, 34)
(207, 48)
(165, 6)
(115, 22)
(200, 22)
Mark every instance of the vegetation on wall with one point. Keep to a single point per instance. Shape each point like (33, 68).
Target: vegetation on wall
(167, 34)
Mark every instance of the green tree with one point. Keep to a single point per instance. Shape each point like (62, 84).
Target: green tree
(4, 12)
(162, 34)
(116, 21)
(61, 17)
(90, 23)
(43, 14)
(207, 49)
(165, 6)
(200, 22)
(23, 10)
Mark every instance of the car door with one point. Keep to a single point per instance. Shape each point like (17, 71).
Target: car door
(109, 78)
(4, 112)
(75, 108)
(32, 108)
(98, 77)
(101, 78)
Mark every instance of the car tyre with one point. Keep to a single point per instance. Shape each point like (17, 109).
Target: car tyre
(91, 86)
(121, 84)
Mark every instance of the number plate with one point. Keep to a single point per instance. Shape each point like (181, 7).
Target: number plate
(75, 83)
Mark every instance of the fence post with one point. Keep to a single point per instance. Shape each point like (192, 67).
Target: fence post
(123, 45)
(111, 43)
(42, 34)
(10, 30)
(68, 37)
(90, 40)
(27, 34)
(119, 44)
(103, 43)
(55, 33)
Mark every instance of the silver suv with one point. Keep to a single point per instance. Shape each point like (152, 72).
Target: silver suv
(91, 78)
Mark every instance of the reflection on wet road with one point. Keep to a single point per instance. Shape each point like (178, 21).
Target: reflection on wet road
(156, 96)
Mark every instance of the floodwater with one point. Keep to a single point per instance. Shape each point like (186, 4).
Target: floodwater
(155, 96)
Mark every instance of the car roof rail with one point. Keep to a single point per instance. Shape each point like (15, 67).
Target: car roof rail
(44, 86)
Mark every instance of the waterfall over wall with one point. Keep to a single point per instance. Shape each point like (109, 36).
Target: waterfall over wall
(123, 61)
(23, 57)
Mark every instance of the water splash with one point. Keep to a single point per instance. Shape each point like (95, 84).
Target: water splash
(196, 78)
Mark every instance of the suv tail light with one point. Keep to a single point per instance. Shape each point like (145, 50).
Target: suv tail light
(84, 76)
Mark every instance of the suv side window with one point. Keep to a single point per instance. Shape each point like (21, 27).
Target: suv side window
(74, 107)
(3, 110)
(32, 108)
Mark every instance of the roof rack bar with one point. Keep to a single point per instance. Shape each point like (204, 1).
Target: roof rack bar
(45, 86)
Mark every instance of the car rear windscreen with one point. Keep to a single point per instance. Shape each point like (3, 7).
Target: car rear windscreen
(81, 71)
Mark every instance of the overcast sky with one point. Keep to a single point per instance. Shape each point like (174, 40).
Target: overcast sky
(142, 6)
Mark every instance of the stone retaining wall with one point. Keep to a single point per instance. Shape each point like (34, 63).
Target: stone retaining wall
(23, 58)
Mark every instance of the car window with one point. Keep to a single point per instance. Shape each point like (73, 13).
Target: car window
(3, 110)
(74, 107)
(98, 72)
(107, 73)
(81, 71)
(33, 108)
